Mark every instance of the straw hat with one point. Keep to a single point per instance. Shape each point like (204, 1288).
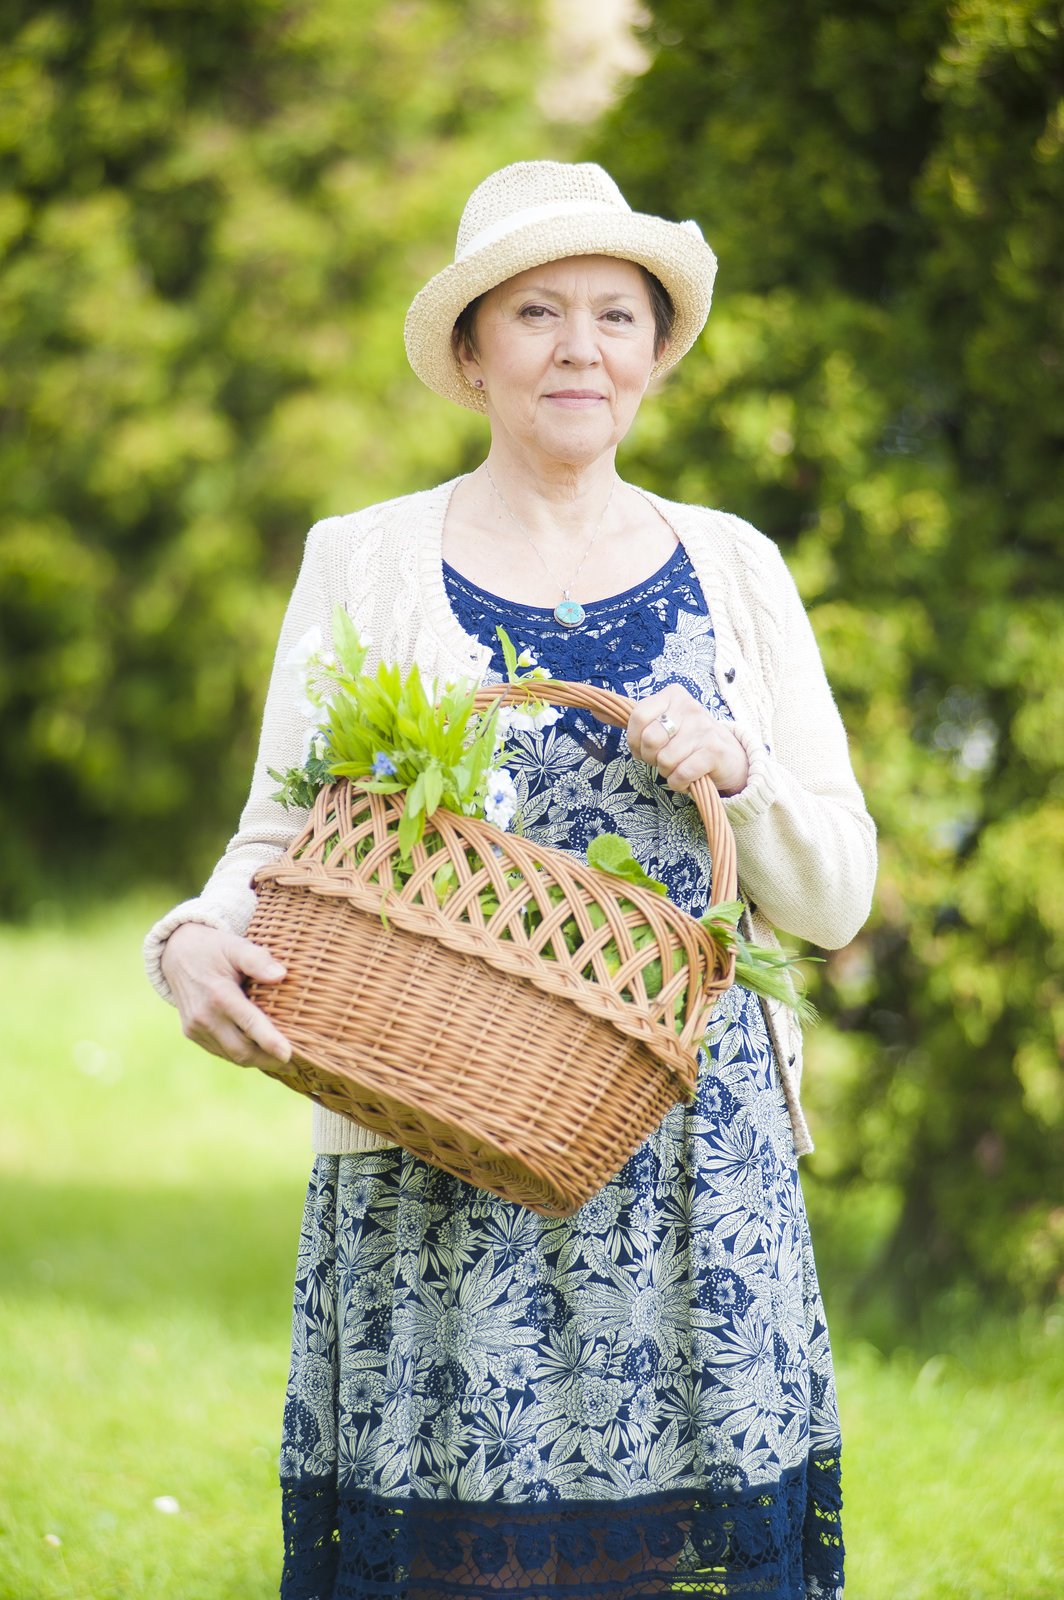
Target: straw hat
(537, 211)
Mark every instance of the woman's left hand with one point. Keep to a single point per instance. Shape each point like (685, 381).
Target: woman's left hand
(676, 734)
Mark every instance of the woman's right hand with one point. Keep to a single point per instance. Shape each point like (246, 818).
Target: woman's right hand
(203, 967)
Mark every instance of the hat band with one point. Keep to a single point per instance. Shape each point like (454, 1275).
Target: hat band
(546, 213)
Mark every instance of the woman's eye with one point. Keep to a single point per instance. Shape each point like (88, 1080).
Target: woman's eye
(534, 313)
(615, 314)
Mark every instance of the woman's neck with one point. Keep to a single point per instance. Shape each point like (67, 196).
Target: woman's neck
(534, 540)
(551, 498)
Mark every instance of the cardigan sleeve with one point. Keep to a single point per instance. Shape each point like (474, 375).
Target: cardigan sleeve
(806, 843)
(266, 828)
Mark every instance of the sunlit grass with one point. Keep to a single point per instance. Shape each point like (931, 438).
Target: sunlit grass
(149, 1208)
(952, 1469)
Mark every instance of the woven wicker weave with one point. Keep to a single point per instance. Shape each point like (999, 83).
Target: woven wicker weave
(488, 1050)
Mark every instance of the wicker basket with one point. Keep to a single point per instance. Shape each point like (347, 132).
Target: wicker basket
(494, 1053)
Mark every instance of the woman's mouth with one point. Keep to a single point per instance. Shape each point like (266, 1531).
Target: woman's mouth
(576, 399)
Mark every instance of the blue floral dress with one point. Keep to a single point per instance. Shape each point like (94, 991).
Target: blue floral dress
(637, 1400)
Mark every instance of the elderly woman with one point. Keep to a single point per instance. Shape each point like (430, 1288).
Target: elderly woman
(636, 1400)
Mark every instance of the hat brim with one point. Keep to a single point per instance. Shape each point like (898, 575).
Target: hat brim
(673, 252)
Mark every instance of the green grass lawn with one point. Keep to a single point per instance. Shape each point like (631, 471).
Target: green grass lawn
(149, 1211)
(150, 1208)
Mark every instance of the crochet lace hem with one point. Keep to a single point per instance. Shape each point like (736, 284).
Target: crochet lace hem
(780, 1542)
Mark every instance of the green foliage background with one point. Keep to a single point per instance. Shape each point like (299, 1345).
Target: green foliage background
(880, 389)
(212, 220)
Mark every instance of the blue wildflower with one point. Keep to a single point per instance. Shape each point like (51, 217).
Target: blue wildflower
(383, 766)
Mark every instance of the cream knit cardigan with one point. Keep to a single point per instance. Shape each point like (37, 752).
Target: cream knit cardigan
(806, 844)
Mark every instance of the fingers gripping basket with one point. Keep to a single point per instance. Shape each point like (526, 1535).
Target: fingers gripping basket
(448, 1012)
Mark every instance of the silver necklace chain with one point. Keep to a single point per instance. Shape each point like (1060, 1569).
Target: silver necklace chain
(570, 613)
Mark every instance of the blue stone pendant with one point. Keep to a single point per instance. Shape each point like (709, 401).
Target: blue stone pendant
(570, 613)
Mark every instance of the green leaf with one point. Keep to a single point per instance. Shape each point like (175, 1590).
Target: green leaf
(411, 829)
(509, 654)
(432, 780)
(415, 798)
(727, 912)
(610, 853)
(299, 786)
(350, 651)
(444, 882)
(772, 974)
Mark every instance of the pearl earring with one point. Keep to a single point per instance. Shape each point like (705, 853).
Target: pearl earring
(478, 383)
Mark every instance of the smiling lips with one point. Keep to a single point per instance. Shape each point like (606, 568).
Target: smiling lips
(576, 397)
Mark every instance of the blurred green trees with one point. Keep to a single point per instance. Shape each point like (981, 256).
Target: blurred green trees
(212, 219)
(880, 389)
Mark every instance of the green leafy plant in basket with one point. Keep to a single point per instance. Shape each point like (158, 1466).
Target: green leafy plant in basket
(391, 733)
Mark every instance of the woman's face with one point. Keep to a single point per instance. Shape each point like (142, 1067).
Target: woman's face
(565, 352)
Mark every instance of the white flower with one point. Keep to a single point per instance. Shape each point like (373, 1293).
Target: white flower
(167, 1504)
(306, 661)
(527, 659)
(527, 1466)
(53, 1539)
(517, 1367)
(512, 720)
(305, 650)
(500, 801)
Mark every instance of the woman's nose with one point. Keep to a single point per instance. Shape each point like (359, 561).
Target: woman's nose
(578, 341)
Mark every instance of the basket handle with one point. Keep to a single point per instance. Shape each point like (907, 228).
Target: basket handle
(615, 710)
